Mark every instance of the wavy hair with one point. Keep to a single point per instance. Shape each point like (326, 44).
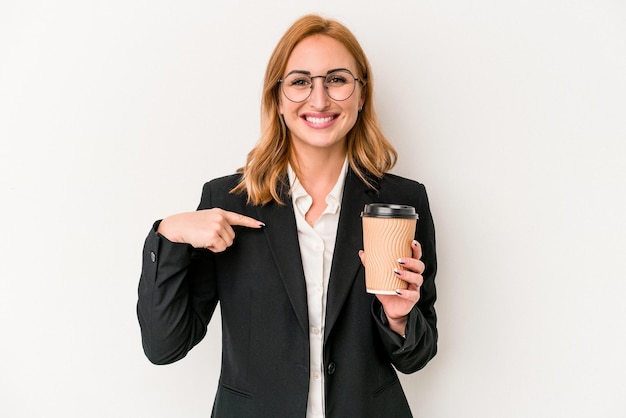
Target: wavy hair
(370, 154)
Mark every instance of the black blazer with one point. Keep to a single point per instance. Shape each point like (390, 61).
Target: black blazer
(259, 283)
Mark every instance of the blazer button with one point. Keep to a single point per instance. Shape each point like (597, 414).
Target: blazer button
(152, 256)
(331, 368)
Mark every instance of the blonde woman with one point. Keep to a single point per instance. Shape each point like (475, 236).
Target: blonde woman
(278, 245)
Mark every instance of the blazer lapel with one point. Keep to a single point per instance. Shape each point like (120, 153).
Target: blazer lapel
(346, 262)
(282, 236)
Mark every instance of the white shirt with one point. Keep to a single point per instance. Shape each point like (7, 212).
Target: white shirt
(317, 244)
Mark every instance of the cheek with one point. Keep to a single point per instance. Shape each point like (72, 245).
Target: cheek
(356, 104)
(358, 97)
(286, 108)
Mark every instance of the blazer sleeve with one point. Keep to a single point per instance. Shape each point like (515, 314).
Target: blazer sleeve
(177, 297)
(419, 345)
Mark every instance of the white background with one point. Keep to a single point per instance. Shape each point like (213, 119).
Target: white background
(114, 113)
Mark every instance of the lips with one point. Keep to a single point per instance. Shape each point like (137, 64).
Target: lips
(319, 121)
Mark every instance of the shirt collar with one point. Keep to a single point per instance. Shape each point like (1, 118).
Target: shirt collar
(333, 200)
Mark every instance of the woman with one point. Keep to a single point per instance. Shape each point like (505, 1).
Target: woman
(277, 246)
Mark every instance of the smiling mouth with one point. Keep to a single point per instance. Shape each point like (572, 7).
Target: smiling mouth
(318, 121)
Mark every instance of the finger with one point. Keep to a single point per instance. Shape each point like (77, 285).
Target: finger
(410, 277)
(417, 250)
(414, 263)
(362, 256)
(411, 264)
(241, 220)
(226, 235)
(221, 238)
(411, 294)
(217, 246)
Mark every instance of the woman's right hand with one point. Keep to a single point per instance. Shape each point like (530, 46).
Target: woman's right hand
(209, 228)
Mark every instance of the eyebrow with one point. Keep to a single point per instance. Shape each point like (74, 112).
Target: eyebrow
(309, 73)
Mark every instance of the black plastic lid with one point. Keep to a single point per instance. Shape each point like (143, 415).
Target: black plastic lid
(386, 210)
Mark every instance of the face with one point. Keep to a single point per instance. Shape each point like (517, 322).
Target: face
(320, 122)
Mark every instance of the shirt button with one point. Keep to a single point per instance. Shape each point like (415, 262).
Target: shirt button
(316, 331)
(318, 247)
(152, 256)
(316, 375)
(331, 368)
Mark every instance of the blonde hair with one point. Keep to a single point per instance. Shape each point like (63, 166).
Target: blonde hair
(369, 152)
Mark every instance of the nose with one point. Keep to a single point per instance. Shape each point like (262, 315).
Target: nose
(319, 98)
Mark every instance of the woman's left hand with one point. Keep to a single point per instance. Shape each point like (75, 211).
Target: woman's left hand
(397, 307)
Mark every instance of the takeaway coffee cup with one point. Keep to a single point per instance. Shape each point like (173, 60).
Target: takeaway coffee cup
(388, 231)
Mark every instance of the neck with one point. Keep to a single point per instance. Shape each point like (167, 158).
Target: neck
(317, 174)
(318, 170)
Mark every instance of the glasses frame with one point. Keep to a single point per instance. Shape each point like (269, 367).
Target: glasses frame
(313, 77)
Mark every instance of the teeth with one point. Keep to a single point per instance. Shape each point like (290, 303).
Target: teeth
(319, 120)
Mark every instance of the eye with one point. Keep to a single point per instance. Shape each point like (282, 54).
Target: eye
(298, 81)
(336, 79)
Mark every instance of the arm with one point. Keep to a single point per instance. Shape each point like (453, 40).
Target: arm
(412, 313)
(412, 352)
(177, 297)
(178, 284)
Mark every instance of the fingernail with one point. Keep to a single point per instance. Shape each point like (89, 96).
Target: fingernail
(262, 224)
(395, 270)
(398, 292)
(400, 261)
(415, 243)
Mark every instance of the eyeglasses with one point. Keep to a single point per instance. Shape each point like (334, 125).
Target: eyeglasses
(338, 84)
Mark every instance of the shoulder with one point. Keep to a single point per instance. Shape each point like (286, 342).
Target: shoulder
(396, 189)
(218, 193)
(222, 183)
(393, 180)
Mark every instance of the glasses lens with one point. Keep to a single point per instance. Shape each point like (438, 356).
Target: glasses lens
(339, 85)
(297, 87)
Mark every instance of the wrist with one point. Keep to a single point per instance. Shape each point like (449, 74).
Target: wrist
(167, 229)
(397, 325)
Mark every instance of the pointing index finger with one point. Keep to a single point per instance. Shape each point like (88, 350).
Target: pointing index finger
(242, 220)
